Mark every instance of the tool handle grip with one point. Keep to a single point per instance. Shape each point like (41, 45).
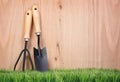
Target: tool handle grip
(36, 18)
(28, 21)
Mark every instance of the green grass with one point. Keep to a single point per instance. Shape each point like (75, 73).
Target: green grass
(78, 75)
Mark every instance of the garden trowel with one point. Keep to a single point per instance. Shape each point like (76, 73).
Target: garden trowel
(40, 55)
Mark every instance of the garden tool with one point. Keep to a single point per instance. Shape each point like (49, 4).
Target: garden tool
(40, 55)
(28, 21)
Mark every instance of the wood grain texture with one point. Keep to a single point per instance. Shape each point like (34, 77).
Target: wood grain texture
(76, 33)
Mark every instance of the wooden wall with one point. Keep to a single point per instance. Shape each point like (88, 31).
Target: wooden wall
(76, 33)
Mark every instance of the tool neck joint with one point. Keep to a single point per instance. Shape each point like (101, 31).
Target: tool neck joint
(37, 33)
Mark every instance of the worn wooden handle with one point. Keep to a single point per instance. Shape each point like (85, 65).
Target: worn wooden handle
(28, 21)
(36, 18)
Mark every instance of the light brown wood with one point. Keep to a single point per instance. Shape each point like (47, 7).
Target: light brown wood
(76, 33)
(36, 18)
(28, 23)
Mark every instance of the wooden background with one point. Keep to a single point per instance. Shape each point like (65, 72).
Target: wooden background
(76, 33)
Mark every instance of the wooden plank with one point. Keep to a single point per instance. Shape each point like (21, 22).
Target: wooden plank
(111, 34)
(76, 33)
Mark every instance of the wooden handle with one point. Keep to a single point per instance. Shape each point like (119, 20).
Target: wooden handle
(36, 18)
(28, 21)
